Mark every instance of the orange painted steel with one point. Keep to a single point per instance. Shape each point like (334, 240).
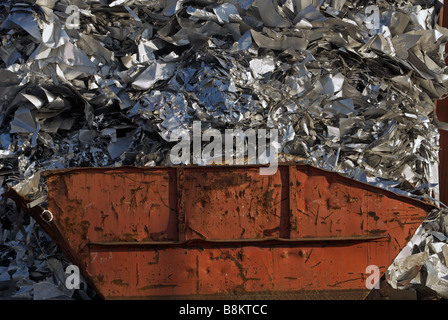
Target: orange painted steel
(225, 232)
(442, 115)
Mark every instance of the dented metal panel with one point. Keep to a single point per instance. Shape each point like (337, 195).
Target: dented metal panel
(229, 271)
(228, 231)
(236, 204)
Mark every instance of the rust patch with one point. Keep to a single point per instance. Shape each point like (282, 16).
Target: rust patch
(377, 231)
(231, 180)
(119, 282)
(157, 286)
(85, 224)
(373, 215)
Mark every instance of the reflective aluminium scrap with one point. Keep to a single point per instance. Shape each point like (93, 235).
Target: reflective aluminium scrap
(348, 85)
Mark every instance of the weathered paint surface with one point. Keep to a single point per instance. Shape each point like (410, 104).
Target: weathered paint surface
(442, 115)
(228, 231)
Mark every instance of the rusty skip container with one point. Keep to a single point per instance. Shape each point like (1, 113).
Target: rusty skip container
(224, 232)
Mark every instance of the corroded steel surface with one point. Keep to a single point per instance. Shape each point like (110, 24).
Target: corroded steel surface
(442, 115)
(228, 231)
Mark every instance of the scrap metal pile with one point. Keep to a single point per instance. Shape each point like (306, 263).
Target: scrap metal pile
(349, 85)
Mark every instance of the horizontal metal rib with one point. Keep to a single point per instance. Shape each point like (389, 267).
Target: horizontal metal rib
(362, 238)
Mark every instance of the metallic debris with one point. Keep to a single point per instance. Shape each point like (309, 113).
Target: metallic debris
(31, 265)
(424, 259)
(349, 85)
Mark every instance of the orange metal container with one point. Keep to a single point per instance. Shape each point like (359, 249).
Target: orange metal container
(442, 115)
(225, 232)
